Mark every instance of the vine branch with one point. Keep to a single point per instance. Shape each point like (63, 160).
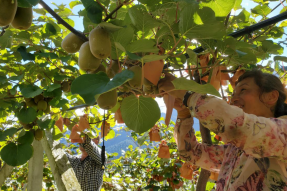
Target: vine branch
(103, 7)
(61, 21)
(109, 16)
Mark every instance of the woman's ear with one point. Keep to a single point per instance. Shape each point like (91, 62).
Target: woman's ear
(271, 98)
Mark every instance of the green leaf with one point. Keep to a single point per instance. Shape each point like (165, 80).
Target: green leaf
(26, 137)
(57, 93)
(46, 124)
(143, 45)
(7, 133)
(243, 16)
(27, 115)
(13, 91)
(221, 7)
(3, 79)
(119, 46)
(191, 27)
(140, 114)
(89, 85)
(59, 77)
(204, 32)
(17, 78)
(192, 57)
(57, 134)
(133, 56)
(123, 36)
(72, 4)
(66, 59)
(53, 87)
(110, 135)
(143, 138)
(270, 47)
(25, 55)
(262, 10)
(6, 40)
(58, 102)
(185, 84)
(94, 10)
(153, 57)
(86, 21)
(244, 55)
(30, 91)
(27, 3)
(141, 19)
(40, 11)
(50, 29)
(15, 155)
(168, 175)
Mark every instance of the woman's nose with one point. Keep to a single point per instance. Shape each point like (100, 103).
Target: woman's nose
(234, 99)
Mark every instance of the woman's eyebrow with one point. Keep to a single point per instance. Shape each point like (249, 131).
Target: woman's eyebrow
(243, 84)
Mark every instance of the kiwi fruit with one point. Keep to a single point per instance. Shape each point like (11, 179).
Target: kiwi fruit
(42, 105)
(113, 69)
(72, 43)
(147, 89)
(108, 100)
(39, 77)
(87, 61)
(23, 18)
(28, 126)
(57, 81)
(44, 82)
(8, 10)
(100, 42)
(31, 103)
(66, 86)
(101, 68)
(38, 98)
(48, 109)
(135, 82)
(38, 134)
(27, 99)
(147, 82)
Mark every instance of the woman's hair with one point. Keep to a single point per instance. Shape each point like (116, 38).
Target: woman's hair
(267, 83)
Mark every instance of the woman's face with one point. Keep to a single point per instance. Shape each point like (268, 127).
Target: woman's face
(246, 95)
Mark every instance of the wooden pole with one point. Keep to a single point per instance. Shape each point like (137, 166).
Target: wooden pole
(5, 171)
(64, 175)
(35, 170)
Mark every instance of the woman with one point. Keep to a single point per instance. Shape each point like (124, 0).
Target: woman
(253, 127)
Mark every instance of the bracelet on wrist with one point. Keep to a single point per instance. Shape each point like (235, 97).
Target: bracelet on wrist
(186, 96)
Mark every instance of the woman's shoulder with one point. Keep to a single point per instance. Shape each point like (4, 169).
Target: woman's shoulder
(282, 117)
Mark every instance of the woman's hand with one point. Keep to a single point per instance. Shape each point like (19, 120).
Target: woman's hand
(165, 85)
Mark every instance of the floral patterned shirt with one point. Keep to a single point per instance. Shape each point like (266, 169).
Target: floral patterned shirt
(254, 157)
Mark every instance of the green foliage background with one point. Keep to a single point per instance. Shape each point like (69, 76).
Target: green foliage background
(32, 63)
